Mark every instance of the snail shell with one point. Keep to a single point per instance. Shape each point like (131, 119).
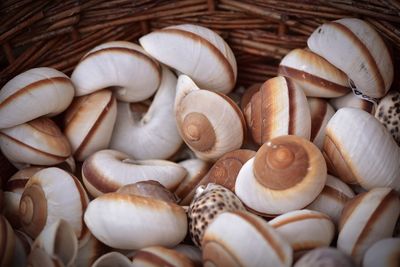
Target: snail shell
(120, 65)
(154, 133)
(126, 221)
(89, 123)
(209, 132)
(248, 94)
(107, 170)
(112, 259)
(321, 112)
(325, 257)
(278, 108)
(356, 48)
(158, 256)
(366, 219)
(7, 242)
(287, 173)
(44, 194)
(49, 146)
(388, 113)
(352, 101)
(195, 51)
(243, 239)
(384, 253)
(358, 149)
(32, 94)
(316, 76)
(305, 229)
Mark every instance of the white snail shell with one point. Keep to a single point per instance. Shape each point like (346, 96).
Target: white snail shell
(384, 253)
(350, 100)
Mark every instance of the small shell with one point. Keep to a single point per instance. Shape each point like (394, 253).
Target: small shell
(44, 194)
(120, 65)
(325, 257)
(388, 113)
(321, 113)
(90, 252)
(153, 133)
(59, 241)
(7, 242)
(287, 173)
(278, 108)
(157, 256)
(195, 51)
(366, 219)
(352, 101)
(358, 149)
(356, 48)
(316, 76)
(150, 189)
(209, 132)
(384, 253)
(332, 199)
(49, 146)
(107, 170)
(192, 252)
(89, 122)
(112, 259)
(32, 94)
(305, 229)
(244, 239)
(206, 205)
(133, 222)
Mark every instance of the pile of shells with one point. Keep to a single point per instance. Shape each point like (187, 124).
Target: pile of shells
(151, 162)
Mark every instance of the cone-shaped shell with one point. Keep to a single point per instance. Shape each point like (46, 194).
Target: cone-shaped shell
(324, 257)
(7, 242)
(32, 94)
(243, 239)
(384, 253)
(209, 132)
(107, 170)
(90, 252)
(59, 240)
(359, 149)
(157, 256)
(352, 101)
(52, 194)
(316, 76)
(332, 199)
(154, 133)
(286, 174)
(366, 219)
(388, 113)
(355, 47)
(112, 259)
(305, 229)
(133, 222)
(278, 108)
(89, 123)
(321, 112)
(48, 147)
(195, 51)
(121, 65)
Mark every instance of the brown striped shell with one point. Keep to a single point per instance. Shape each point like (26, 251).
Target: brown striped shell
(158, 256)
(89, 122)
(278, 108)
(388, 113)
(321, 112)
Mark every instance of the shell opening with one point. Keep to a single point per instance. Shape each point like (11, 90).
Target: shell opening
(198, 132)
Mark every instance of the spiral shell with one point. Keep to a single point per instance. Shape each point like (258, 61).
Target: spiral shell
(278, 108)
(32, 94)
(158, 256)
(287, 173)
(207, 57)
(384, 253)
(120, 65)
(321, 112)
(209, 132)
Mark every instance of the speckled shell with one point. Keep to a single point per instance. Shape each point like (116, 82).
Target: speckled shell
(207, 57)
(243, 239)
(356, 48)
(278, 108)
(305, 229)
(316, 76)
(384, 253)
(352, 101)
(366, 219)
(158, 256)
(206, 205)
(325, 257)
(388, 113)
(360, 150)
(89, 122)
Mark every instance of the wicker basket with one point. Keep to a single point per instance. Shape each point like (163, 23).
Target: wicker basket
(57, 33)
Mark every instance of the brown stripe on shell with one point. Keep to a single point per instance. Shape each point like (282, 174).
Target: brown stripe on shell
(317, 117)
(335, 194)
(84, 203)
(35, 86)
(375, 216)
(367, 106)
(292, 106)
(307, 245)
(85, 142)
(254, 117)
(216, 248)
(218, 54)
(12, 185)
(300, 217)
(35, 150)
(248, 94)
(266, 112)
(45, 126)
(303, 76)
(267, 236)
(364, 50)
(153, 258)
(96, 179)
(349, 209)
